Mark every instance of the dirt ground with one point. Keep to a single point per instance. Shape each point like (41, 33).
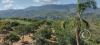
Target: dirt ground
(27, 38)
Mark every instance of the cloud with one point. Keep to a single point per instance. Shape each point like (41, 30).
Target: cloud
(7, 4)
(46, 1)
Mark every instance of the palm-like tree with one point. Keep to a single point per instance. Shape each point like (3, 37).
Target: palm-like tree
(81, 7)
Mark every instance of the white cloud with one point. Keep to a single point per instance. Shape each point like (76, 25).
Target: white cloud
(7, 4)
(36, 1)
(46, 1)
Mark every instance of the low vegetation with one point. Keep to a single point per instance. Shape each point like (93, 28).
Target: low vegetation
(45, 32)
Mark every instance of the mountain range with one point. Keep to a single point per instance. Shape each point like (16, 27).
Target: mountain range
(46, 11)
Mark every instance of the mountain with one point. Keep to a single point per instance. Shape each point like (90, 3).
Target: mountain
(46, 11)
(33, 11)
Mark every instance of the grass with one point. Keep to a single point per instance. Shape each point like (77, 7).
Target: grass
(19, 21)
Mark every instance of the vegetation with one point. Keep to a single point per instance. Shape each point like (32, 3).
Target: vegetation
(47, 32)
(12, 37)
(69, 31)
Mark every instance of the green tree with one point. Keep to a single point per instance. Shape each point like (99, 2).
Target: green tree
(82, 6)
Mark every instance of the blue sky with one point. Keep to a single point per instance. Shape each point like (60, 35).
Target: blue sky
(20, 4)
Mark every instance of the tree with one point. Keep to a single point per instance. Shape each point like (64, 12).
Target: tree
(43, 33)
(82, 6)
(13, 24)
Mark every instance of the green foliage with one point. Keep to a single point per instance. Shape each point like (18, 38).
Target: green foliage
(13, 24)
(64, 37)
(23, 29)
(13, 37)
(64, 31)
(84, 5)
(42, 30)
(44, 34)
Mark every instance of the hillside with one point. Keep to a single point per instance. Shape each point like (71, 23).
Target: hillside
(52, 11)
(39, 11)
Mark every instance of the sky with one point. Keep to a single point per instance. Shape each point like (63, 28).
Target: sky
(21, 4)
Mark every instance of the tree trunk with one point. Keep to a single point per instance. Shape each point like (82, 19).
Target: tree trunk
(78, 36)
(78, 28)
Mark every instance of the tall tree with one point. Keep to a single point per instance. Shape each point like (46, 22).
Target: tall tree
(81, 7)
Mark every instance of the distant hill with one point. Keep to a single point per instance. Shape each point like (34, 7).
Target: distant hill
(36, 10)
(46, 11)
